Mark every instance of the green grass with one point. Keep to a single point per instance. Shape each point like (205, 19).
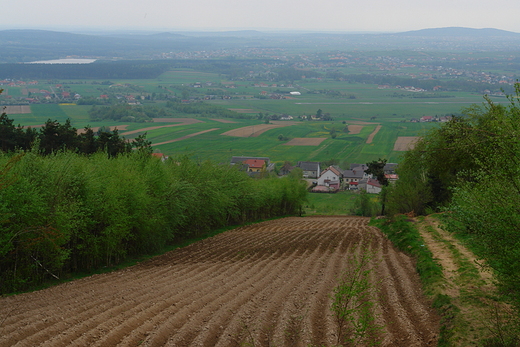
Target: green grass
(341, 203)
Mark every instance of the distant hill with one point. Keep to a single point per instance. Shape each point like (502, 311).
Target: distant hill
(232, 33)
(460, 32)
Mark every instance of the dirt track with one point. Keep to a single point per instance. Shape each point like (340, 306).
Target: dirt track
(268, 283)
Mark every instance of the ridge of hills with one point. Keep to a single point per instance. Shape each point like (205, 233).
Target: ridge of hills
(460, 31)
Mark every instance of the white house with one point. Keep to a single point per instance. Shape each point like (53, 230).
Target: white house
(330, 177)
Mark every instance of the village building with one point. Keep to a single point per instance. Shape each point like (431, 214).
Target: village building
(330, 177)
(254, 166)
(370, 185)
(311, 169)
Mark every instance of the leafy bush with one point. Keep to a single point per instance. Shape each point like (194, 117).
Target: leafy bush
(66, 212)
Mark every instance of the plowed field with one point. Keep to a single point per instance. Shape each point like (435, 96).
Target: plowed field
(265, 284)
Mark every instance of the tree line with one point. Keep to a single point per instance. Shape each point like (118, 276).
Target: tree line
(127, 113)
(53, 136)
(203, 110)
(427, 84)
(470, 169)
(67, 212)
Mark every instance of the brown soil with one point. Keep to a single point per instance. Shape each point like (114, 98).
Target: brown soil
(303, 141)
(373, 134)
(265, 284)
(405, 143)
(185, 137)
(257, 130)
(354, 129)
(16, 109)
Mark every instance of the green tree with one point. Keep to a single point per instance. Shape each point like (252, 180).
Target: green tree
(55, 136)
(7, 133)
(470, 167)
(377, 169)
(87, 141)
(142, 144)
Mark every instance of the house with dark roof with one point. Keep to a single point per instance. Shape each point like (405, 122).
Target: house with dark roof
(390, 168)
(355, 174)
(352, 177)
(286, 169)
(311, 169)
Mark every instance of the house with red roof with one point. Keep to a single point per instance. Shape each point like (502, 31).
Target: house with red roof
(255, 165)
(160, 156)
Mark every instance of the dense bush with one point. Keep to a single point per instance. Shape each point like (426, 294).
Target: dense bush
(67, 212)
(470, 168)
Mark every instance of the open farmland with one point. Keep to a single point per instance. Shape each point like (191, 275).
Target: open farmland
(355, 116)
(248, 137)
(264, 284)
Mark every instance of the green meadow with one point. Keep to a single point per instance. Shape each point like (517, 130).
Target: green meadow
(392, 109)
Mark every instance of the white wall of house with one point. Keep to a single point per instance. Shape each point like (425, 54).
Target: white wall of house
(373, 189)
(328, 177)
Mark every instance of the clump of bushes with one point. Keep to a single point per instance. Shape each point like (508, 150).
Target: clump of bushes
(66, 212)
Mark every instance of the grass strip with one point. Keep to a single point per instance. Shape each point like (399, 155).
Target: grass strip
(407, 238)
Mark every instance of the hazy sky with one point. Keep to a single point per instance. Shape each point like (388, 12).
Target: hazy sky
(326, 15)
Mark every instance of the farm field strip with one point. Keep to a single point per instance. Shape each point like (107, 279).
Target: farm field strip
(186, 137)
(373, 134)
(17, 109)
(306, 141)
(405, 143)
(270, 283)
(182, 121)
(256, 130)
(354, 129)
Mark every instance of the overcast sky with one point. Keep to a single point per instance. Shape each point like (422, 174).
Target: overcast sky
(317, 15)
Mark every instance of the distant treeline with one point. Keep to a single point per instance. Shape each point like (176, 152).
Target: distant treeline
(66, 212)
(204, 110)
(125, 69)
(126, 113)
(128, 69)
(139, 114)
(53, 137)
